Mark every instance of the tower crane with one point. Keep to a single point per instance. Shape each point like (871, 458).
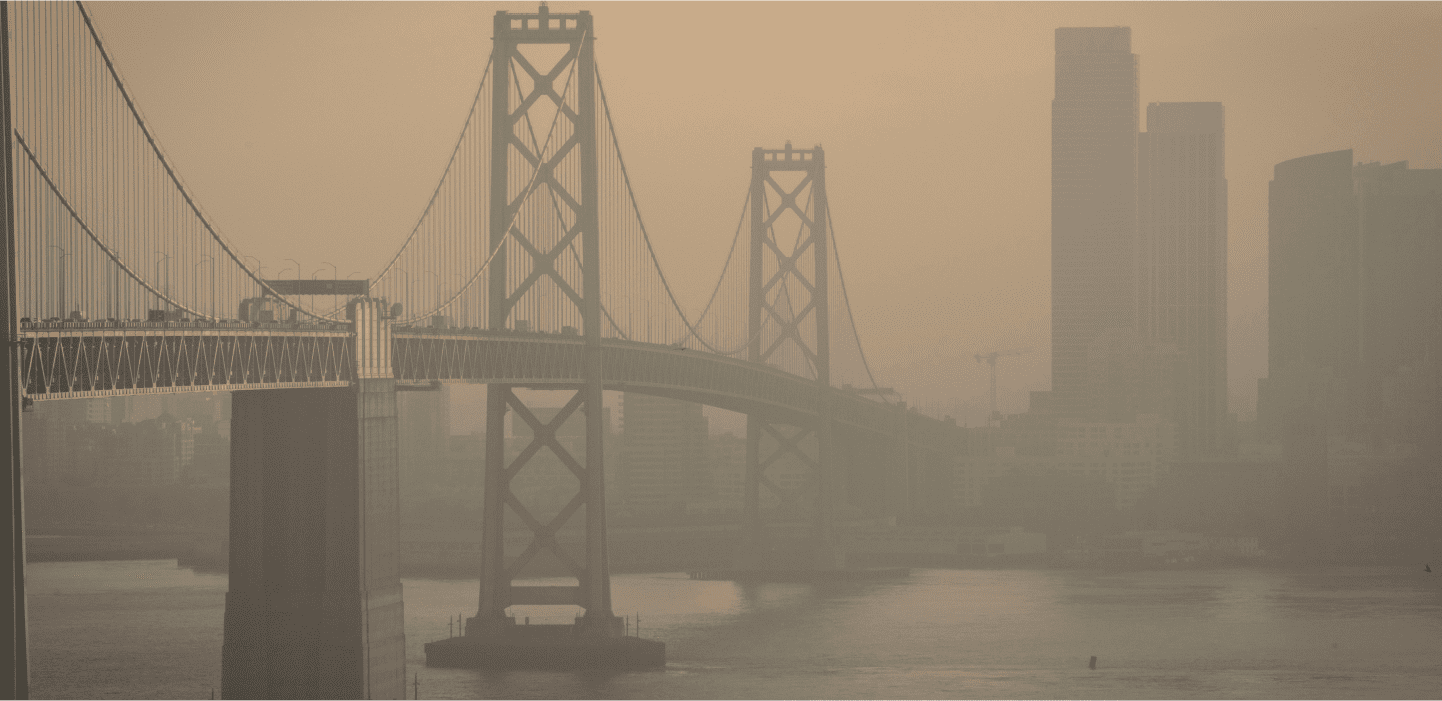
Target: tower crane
(990, 359)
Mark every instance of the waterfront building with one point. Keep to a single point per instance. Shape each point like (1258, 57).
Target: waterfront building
(1132, 456)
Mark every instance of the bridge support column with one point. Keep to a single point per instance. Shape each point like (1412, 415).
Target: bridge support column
(900, 487)
(314, 607)
(15, 675)
(781, 297)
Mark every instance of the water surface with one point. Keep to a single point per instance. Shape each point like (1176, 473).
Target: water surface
(147, 629)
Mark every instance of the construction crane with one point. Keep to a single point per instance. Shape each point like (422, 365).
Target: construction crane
(990, 359)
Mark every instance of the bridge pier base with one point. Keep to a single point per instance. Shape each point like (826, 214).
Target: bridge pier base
(314, 607)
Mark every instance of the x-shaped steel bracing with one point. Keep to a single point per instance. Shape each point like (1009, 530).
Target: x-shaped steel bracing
(544, 535)
(543, 263)
(787, 265)
(785, 445)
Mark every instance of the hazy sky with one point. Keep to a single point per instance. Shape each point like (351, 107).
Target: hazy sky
(316, 131)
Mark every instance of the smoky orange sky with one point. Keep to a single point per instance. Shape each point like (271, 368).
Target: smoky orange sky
(316, 131)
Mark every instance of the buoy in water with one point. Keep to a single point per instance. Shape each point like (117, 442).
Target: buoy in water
(1093, 664)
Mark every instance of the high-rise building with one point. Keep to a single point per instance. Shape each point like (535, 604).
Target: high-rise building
(1399, 216)
(1355, 336)
(1182, 252)
(1312, 334)
(1094, 198)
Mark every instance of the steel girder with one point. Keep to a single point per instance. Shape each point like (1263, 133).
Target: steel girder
(64, 361)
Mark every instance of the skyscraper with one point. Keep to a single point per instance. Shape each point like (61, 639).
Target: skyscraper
(1312, 313)
(1399, 217)
(1094, 191)
(1355, 316)
(1182, 246)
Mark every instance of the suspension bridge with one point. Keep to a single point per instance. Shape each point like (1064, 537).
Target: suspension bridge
(529, 266)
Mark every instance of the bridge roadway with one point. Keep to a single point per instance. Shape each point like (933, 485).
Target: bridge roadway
(72, 360)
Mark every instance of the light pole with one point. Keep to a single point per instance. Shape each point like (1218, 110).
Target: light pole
(165, 288)
(368, 287)
(199, 263)
(438, 289)
(462, 304)
(406, 288)
(312, 297)
(60, 281)
(297, 273)
(333, 273)
(259, 270)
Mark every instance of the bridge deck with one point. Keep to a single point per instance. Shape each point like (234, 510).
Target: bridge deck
(67, 360)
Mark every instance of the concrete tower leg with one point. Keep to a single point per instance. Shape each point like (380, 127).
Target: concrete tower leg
(15, 669)
(314, 607)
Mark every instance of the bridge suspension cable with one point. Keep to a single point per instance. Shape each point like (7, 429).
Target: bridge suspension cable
(112, 255)
(691, 330)
(450, 163)
(510, 223)
(100, 196)
(169, 171)
(846, 302)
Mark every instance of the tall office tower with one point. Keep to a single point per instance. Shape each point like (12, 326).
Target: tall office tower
(1399, 216)
(1182, 247)
(1312, 294)
(664, 461)
(1093, 201)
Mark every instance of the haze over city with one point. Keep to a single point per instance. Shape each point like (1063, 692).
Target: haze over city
(303, 124)
(722, 350)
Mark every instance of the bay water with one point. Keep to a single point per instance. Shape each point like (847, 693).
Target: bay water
(150, 629)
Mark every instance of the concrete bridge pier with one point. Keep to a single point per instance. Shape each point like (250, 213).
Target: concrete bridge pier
(314, 607)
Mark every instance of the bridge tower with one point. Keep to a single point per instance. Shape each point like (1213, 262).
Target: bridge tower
(784, 305)
(15, 675)
(560, 174)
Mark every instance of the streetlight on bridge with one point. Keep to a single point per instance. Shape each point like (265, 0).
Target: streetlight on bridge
(214, 312)
(60, 281)
(437, 304)
(165, 287)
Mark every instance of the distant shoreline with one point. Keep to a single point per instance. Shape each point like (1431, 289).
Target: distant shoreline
(187, 550)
